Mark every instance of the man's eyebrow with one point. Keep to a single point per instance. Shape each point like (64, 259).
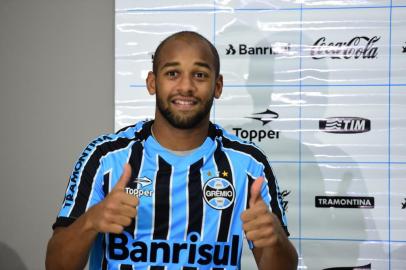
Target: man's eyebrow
(173, 64)
(203, 64)
(170, 64)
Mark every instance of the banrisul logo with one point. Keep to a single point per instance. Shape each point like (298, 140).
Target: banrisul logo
(264, 117)
(140, 187)
(365, 267)
(192, 251)
(218, 193)
(271, 49)
(357, 47)
(345, 125)
(344, 202)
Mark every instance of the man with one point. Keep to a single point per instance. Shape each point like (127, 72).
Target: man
(175, 193)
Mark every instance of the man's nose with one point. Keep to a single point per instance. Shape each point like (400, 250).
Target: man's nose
(186, 84)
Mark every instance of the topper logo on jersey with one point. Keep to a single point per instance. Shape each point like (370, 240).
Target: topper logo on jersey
(218, 193)
(345, 125)
(365, 267)
(244, 49)
(358, 47)
(136, 187)
(261, 134)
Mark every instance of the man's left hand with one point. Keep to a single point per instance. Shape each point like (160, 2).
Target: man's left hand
(260, 225)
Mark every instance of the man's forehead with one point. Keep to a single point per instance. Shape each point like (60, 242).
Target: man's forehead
(173, 46)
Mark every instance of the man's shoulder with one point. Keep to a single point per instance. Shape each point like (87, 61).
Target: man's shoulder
(232, 141)
(120, 138)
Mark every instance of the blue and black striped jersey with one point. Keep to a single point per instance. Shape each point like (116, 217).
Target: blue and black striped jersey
(190, 206)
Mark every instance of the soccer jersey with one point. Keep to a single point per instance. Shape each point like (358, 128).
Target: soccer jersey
(189, 205)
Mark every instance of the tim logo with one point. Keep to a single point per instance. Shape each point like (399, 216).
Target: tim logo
(345, 125)
(218, 193)
(265, 117)
(364, 267)
(138, 187)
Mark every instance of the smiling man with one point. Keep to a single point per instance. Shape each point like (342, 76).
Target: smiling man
(177, 192)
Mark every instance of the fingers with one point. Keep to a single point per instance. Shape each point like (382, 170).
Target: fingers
(255, 192)
(260, 222)
(129, 200)
(258, 211)
(125, 177)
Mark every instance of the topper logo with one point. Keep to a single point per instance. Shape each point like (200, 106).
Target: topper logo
(265, 117)
(137, 187)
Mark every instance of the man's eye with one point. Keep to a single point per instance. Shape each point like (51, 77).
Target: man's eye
(172, 73)
(200, 75)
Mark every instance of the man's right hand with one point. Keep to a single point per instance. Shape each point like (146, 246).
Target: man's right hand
(116, 211)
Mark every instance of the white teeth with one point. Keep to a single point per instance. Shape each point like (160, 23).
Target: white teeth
(184, 102)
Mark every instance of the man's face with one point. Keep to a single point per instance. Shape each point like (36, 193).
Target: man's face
(185, 84)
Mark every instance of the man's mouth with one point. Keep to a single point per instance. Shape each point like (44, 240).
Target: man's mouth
(184, 103)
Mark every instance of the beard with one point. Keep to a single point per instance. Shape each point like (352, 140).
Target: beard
(180, 120)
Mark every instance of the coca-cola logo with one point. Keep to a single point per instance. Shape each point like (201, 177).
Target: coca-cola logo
(358, 47)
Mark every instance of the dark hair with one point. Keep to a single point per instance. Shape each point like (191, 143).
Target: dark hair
(157, 54)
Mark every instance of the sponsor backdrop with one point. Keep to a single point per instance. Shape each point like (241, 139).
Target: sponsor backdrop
(320, 86)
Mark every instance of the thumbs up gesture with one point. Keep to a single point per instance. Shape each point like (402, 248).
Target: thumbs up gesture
(260, 225)
(117, 210)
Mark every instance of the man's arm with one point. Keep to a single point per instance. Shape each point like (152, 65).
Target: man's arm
(280, 254)
(69, 247)
(272, 248)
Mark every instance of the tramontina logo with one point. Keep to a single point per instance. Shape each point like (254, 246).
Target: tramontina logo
(362, 267)
(357, 47)
(138, 188)
(344, 202)
(259, 134)
(345, 125)
(272, 49)
(218, 193)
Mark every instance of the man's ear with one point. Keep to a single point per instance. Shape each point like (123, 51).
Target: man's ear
(218, 88)
(150, 81)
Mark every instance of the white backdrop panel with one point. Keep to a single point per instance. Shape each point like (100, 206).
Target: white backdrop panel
(332, 75)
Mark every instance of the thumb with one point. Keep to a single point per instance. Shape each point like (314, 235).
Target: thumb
(125, 177)
(255, 192)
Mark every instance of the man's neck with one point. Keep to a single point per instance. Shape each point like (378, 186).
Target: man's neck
(177, 139)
